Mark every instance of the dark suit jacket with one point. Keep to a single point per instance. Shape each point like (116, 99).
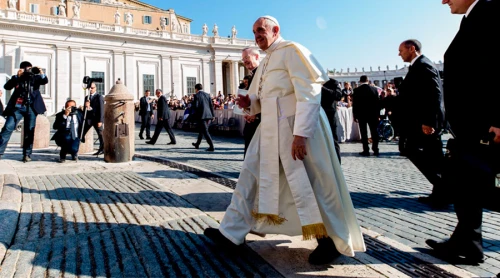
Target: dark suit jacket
(203, 106)
(365, 102)
(467, 62)
(421, 97)
(162, 108)
(96, 115)
(37, 103)
(143, 107)
(60, 126)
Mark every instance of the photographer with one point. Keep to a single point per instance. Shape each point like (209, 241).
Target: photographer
(26, 101)
(68, 123)
(94, 104)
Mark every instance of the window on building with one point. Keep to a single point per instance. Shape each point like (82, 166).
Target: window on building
(148, 82)
(191, 82)
(99, 85)
(34, 8)
(147, 19)
(166, 20)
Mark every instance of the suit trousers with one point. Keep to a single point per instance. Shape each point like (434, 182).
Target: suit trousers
(426, 153)
(69, 145)
(10, 125)
(249, 131)
(146, 124)
(99, 133)
(159, 126)
(473, 180)
(332, 119)
(203, 132)
(372, 123)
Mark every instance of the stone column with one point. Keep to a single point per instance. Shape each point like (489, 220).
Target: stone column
(9, 62)
(130, 74)
(235, 77)
(62, 78)
(206, 75)
(166, 76)
(42, 133)
(118, 66)
(176, 76)
(218, 76)
(76, 89)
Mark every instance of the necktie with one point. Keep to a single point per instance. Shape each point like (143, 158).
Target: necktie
(72, 127)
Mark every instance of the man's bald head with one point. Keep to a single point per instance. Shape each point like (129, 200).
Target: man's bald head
(266, 30)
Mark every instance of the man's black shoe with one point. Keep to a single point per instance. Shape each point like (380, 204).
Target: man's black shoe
(364, 153)
(325, 253)
(210, 149)
(433, 202)
(61, 160)
(26, 158)
(220, 240)
(376, 153)
(140, 136)
(148, 138)
(75, 158)
(150, 143)
(454, 252)
(99, 152)
(196, 146)
(172, 143)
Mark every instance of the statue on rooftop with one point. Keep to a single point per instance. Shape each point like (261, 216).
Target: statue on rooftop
(215, 31)
(76, 9)
(117, 17)
(233, 32)
(204, 29)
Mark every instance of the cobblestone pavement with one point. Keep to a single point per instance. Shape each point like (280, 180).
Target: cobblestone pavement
(116, 224)
(384, 191)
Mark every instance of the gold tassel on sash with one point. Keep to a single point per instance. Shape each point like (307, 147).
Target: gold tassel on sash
(270, 219)
(314, 231)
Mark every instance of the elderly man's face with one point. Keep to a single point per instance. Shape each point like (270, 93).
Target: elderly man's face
(458, 6)
(250, 60)
(264, 35)
(406, 52)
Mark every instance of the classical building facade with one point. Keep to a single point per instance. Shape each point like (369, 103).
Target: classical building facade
(379, 76)
(144, 46)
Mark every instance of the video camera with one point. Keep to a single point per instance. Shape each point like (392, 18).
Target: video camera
(29, 73)
(87, 80)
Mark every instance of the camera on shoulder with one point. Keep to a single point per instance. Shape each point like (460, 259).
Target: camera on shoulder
(87, 80)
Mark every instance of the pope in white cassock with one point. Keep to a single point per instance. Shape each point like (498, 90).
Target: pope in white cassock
(291, 181)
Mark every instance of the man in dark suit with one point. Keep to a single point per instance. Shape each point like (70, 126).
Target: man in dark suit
(18, 106)
(163, 114)
(146, 113)
(250, 57)
(330, 95)
(69, 124)
(203, 112)
(94, 104)
(422, 119)
(366, 112)
(475, 151)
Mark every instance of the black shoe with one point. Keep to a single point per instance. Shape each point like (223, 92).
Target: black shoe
(140, 136)
(325, 253)
(220, 240)
(455, 252)
(196, 146)
(61, 160)
(433, 202)
(148, 138)
(150, 143)
(364, 153)
(376, 153)
(172, 143)
(26, 158)
(99, 152)
(210, 149)
(75, 158)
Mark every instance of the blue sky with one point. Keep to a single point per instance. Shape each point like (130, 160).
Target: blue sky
(340, 33)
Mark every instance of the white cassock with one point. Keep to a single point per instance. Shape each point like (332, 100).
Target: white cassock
(276, 194)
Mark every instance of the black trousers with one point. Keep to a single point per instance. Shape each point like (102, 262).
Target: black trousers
(426, 153)
(159, 126)
(249, 131)
(372, 123)
(203, 132)
(69, 145)
(474, 169)
(99, 133)
(333, 126)
(145, 124)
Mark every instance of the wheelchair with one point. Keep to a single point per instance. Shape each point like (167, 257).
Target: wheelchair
(385, 130)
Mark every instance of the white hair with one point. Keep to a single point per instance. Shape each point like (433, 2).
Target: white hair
(252, 51)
